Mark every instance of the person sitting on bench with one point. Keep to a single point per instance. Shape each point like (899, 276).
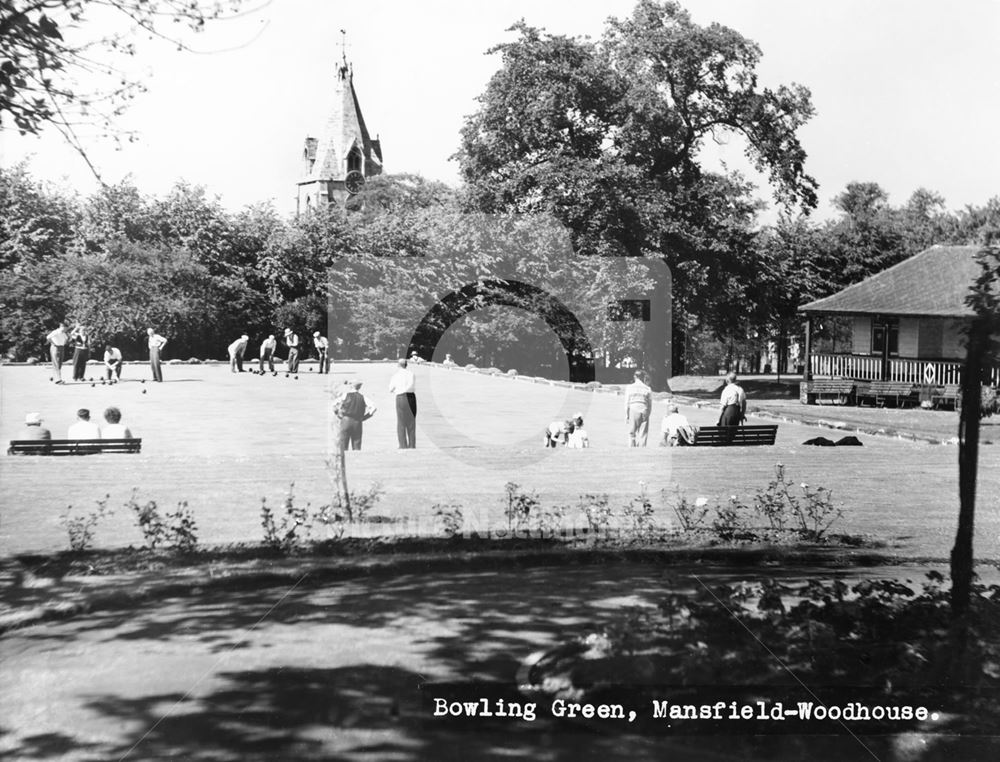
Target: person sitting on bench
(33, 428)
(675, 429)
(84, 428)
(114, 429)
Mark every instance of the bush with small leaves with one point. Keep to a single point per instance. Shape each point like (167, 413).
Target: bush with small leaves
(690, 514)
(731, 520)
(81, 528)
(451, 518)
(640, 514)
(289, 532)
(177, 530)
(519, 505)
(596, 509)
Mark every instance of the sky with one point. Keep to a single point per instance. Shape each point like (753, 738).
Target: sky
(906, 92)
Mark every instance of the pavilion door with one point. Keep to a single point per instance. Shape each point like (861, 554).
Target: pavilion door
(885, 341)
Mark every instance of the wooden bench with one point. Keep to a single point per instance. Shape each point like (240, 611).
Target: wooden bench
(949, 393)
(72, 446)
(880, 391)
(839, 389)
(726, 436)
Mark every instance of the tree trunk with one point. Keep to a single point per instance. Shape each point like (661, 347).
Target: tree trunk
(961, 667)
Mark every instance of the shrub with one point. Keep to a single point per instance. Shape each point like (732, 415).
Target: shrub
(691, 515)
(285, 536)
(550, 521)
(730, 520)
(451, 518)
(640, 515)
(176, 530)
(81, 528)
(519, 505)
(596, 510)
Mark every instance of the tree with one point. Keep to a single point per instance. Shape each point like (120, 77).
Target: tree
(982, 352)
(35, 222)
(607, 136)
(867, 239)
(63, 61)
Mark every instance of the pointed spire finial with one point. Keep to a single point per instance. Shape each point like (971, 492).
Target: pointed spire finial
(343, 69)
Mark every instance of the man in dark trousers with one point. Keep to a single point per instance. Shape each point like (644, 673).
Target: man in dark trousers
(733, 404)
(353, 410)
(292, 342)
(403, 385)
(156, 344)
(57, 349)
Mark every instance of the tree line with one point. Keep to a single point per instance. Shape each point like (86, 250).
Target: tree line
(120, 261)
(603, 137)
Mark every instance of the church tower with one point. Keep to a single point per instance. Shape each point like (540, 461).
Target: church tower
(336, 164)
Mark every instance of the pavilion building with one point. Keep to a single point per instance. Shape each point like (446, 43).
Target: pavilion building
(905, 323)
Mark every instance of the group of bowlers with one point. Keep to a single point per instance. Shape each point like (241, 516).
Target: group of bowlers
(80, 341)
(269, 347)
(352, 411)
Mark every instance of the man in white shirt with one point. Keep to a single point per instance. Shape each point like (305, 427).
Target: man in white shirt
(675, 428)
(557, 433)
(638, 406)
(84, 428)
(292, 341)
(236, 350)
(57, 349)
(733, 403)
(113, 363)
(267, 348)
(403, 385)
(156, 344)
(322, 345)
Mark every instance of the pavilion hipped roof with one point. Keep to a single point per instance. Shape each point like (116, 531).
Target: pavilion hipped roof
(933, 283)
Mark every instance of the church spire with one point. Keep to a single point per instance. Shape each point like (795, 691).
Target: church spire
(337, 163)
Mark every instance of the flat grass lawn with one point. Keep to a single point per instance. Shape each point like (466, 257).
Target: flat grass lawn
(222, 442)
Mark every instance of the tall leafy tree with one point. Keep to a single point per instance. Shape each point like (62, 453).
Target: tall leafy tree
(36, 222)
(607, 137)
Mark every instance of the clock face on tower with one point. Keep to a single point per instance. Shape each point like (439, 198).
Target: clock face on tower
(354, 181)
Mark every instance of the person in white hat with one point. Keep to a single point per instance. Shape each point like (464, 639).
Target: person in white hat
(33, 428)
(292, 342)
(236, 351)
(322, 345)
